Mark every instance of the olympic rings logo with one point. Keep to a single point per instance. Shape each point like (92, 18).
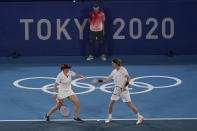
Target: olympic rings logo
(146, 87)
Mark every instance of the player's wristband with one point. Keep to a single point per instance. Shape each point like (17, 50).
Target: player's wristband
(100, 80)
(127, 83)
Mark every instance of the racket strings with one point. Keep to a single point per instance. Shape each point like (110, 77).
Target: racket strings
(117, 90)
(64, 110)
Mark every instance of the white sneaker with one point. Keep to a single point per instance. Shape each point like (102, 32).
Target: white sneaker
(140, 120)
(108, 121)
(90, 57)
(103, 58)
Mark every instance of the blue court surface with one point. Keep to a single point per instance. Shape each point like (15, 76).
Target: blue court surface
(162, 88)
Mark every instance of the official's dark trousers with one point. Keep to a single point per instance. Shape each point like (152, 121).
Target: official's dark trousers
(100, 37)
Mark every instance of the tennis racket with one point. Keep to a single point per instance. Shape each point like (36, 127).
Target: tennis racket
(64, 110)
(118, 89)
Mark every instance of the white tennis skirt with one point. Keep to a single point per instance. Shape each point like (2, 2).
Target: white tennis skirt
(63, 93)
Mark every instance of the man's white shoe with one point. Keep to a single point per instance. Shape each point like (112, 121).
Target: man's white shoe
(140, 120)
(108, 121)
(103, 58)
(90, 57)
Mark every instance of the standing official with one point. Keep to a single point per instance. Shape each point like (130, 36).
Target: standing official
(96, 19)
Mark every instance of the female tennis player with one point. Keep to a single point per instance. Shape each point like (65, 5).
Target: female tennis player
(64, 91)
(121, 81)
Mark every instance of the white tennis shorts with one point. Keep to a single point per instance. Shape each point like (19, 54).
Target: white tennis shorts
(125, 96)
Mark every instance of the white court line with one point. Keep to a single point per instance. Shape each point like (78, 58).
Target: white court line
(155, 119)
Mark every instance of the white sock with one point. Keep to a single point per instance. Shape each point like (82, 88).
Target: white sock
(110, 116)
(138, 114)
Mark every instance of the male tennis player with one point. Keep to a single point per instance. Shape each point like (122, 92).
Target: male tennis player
(121, 81)
(64, 79)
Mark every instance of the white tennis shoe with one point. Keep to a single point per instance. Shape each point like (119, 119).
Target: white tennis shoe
(89, 58)
(108, 121)
(140, 120)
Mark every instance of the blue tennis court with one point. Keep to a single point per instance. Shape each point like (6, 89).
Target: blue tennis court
(155, 40)
(162, 88)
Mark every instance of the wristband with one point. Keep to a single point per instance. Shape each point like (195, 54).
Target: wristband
(127, 83)
(100, 80)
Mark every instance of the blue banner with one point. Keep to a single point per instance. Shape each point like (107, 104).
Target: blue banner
(131, 27)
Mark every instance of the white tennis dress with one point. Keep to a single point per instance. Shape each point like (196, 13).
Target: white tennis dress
(119, 81)
(64, 83)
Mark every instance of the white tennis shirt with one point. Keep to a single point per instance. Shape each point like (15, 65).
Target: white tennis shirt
(65, 81)
(119, 76)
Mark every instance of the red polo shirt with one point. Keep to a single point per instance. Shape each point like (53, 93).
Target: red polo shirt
(96, 20)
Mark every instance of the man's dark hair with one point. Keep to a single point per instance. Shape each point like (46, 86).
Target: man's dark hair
(116, 61)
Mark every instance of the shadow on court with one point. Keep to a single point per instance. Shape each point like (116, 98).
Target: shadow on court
(80, 61)
(126, 125)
